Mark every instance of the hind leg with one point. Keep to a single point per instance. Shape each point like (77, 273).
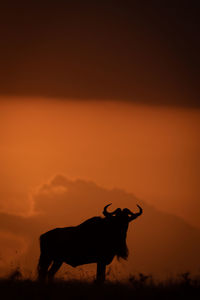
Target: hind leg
(43, 265)
(54, 268)
(101, 272)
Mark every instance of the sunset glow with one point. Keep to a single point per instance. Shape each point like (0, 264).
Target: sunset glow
(151, 152)
(100, 144)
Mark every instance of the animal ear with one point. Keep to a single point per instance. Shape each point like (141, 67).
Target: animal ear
(115, 212)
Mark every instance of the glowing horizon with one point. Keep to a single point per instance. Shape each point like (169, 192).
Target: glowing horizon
(155, 147)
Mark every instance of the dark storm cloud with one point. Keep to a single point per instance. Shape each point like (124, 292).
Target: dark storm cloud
(143, 51)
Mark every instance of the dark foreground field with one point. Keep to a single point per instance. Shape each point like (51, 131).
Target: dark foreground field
(13, 288)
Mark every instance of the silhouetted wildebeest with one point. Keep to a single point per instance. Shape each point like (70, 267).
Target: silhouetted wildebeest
(97, 240)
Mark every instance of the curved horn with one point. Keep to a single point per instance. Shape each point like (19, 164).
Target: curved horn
(140, 211)
(106, 213)
(134, 216)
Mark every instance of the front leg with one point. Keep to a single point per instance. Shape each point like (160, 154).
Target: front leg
(101, 272)
(54, 268)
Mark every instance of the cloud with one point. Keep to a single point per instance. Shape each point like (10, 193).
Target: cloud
(74, 200)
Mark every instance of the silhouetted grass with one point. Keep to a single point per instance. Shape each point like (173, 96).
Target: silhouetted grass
(137, 287)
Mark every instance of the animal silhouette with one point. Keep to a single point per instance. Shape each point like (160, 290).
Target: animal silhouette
(97, 240)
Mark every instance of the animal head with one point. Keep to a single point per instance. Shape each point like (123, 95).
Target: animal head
(118, 221)
(124, 214)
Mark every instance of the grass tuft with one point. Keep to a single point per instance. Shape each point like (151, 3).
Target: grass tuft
(140, 286)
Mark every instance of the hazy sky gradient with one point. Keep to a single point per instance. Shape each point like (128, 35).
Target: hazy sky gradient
(151, 152)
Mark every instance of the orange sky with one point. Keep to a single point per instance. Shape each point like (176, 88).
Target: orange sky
(150, 151)
(107, 94)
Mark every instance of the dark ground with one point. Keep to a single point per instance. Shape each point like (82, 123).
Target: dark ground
(135, 288)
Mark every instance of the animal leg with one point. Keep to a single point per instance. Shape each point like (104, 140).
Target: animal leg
(101, 272)
(43, 265)
(54, 268)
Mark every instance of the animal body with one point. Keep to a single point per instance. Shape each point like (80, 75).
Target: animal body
(97, 240)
